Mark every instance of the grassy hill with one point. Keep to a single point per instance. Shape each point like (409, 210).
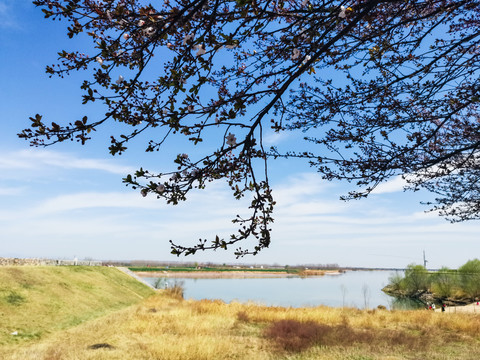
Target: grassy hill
(37, 301)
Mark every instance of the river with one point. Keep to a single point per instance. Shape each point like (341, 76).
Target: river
(360, 289)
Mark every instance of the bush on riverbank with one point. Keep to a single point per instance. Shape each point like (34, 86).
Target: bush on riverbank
(469, 278)
(462, 285)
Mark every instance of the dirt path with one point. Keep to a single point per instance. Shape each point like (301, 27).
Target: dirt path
(132, 274)
(470, 308)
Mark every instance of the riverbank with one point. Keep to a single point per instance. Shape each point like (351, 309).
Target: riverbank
(233, 274)
(427, 297)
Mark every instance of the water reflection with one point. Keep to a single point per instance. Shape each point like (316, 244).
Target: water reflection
(406, 304)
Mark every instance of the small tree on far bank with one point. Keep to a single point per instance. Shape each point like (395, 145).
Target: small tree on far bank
(416, 278)
(470, 278)
(396, 281)
(444, 282)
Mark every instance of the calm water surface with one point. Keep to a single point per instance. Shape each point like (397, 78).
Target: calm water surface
(361, 289)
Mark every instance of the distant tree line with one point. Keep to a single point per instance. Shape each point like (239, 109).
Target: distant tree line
(195, 264)
(445, 283)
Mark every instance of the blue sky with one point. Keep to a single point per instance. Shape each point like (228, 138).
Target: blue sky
(68, 200)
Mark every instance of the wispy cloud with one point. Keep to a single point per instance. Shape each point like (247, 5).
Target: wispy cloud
(274, 138)
(215, 202)
(90, 200)
(300, 187)
(8, 18)
(396, 184)
(309, 225)
(37, 158)
(11, 191)
(82, 219)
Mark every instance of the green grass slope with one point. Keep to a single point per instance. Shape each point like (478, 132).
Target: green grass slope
(37, 301)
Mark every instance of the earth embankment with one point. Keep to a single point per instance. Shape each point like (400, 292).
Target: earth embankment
(38, 300)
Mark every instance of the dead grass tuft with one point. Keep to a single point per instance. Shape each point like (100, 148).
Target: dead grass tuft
(175, 291)
(206, 306)
(243, 316)
(53, 354)
(296, 336)
(293, 335)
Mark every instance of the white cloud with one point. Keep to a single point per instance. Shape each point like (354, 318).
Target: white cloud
(311, 225)
(11, 191)
(32, 159)
(274, 138)
(8, 17)
(426, 215)
(214, 203)
(300, 187)
(112, 224)
(395, 184)
(89, 200)
(309, 208)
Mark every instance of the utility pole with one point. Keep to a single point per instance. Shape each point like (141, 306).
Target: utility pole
(424, 260)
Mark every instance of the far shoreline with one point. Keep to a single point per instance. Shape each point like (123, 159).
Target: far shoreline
(234, 274)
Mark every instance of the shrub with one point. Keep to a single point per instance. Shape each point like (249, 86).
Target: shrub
(293, 335)
(296, 336)
(243, 316)
(416, 278)
(15, 298)
(397, 281)
(470, 278)
(176, 290)
(444, 282)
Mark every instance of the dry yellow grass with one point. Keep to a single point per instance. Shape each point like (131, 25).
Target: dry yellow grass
(162, 327)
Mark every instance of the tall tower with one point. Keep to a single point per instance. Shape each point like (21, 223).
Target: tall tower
(424, 260)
